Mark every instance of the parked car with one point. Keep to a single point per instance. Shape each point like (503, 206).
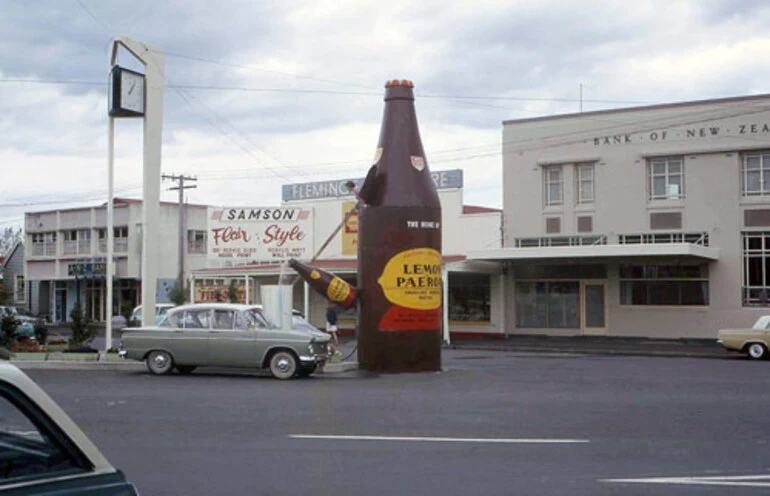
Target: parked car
(26, 323)
(160, 312)
(224, 335)
(754, 341)
(43, 451)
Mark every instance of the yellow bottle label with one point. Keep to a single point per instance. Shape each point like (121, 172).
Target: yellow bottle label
(412, 279)
(338, 290)
(315, 275)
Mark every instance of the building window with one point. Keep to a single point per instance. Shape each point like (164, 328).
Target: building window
(44, 244)
(196, 242)
(554, 192)
(548, 305)
(19, 290)
(756, 269)
(658, 284)
(77, 242)
(666, 179)
(120, 240)
(755, 174)
(584, 177)
(469, 297)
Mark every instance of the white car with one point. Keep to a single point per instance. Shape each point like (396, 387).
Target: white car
(43, 451)
(160, 312)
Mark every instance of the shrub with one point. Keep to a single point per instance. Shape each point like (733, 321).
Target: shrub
(82, 332)
(178, 294)
(8, 326)
(41, 330)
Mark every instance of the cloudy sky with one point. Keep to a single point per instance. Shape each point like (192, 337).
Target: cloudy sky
(264, 93)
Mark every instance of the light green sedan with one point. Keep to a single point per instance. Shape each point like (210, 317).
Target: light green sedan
(224, 335)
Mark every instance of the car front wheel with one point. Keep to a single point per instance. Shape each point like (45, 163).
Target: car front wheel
(283, 365)
(757, 351)
(159, 362)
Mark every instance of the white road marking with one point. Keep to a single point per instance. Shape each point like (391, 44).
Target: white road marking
(441, 439)
(733, 480)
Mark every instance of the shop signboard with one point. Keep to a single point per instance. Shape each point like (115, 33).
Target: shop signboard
(259, 234)
(87, 268)
(219, 290)
(350, 230)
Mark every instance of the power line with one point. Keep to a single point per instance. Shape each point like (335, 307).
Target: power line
(457, 98)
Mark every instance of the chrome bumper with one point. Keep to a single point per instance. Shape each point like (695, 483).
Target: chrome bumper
(308, 359)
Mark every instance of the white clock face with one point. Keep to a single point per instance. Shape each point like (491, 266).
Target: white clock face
(132, 92)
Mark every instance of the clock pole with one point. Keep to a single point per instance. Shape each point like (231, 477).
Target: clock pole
(152, 114)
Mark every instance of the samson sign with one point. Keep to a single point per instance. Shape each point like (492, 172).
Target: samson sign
(259, 234)
(336, 189)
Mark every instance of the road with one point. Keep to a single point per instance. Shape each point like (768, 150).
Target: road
(491, 423)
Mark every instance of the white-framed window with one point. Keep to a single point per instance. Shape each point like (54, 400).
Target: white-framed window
(120, 240)
(553, 185)
(77, 242)
(44, 244)
(196, 242)
(755, 174)
(19, 290)
(756, 269)
(584, 183)
(666, 178)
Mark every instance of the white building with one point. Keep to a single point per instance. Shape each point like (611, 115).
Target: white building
(650, 221)
(65, 256)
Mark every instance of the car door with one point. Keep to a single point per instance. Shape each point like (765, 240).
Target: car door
(232, 340)
(190, 329)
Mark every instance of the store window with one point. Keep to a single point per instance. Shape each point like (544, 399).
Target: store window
(755, 174)
(548, 305)
(554, 191)
(756, 269)
(661, 284)
(196, 242)
(666, 179)
(469, 297)
(584, 178)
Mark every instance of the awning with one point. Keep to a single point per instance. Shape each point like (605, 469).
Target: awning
(598, 251)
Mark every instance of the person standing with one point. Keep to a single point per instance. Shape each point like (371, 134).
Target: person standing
(331, 325)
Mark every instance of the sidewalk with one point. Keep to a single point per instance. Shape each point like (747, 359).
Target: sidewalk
(597, 345)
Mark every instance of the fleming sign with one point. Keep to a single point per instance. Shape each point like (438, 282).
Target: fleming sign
(259, 234)
(336, 189)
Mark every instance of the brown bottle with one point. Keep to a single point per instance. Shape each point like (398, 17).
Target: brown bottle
(399, 248)
(330, 286)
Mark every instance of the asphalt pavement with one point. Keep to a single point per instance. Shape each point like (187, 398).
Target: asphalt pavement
(492, 422)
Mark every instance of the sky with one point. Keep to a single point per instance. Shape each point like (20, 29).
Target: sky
(264, 93)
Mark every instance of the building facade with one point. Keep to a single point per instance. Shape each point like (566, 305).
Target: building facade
(65, 250)
(12, 271)
(650, 221)
(474, 299)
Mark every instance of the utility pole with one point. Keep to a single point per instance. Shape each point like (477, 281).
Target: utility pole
(181, 186)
